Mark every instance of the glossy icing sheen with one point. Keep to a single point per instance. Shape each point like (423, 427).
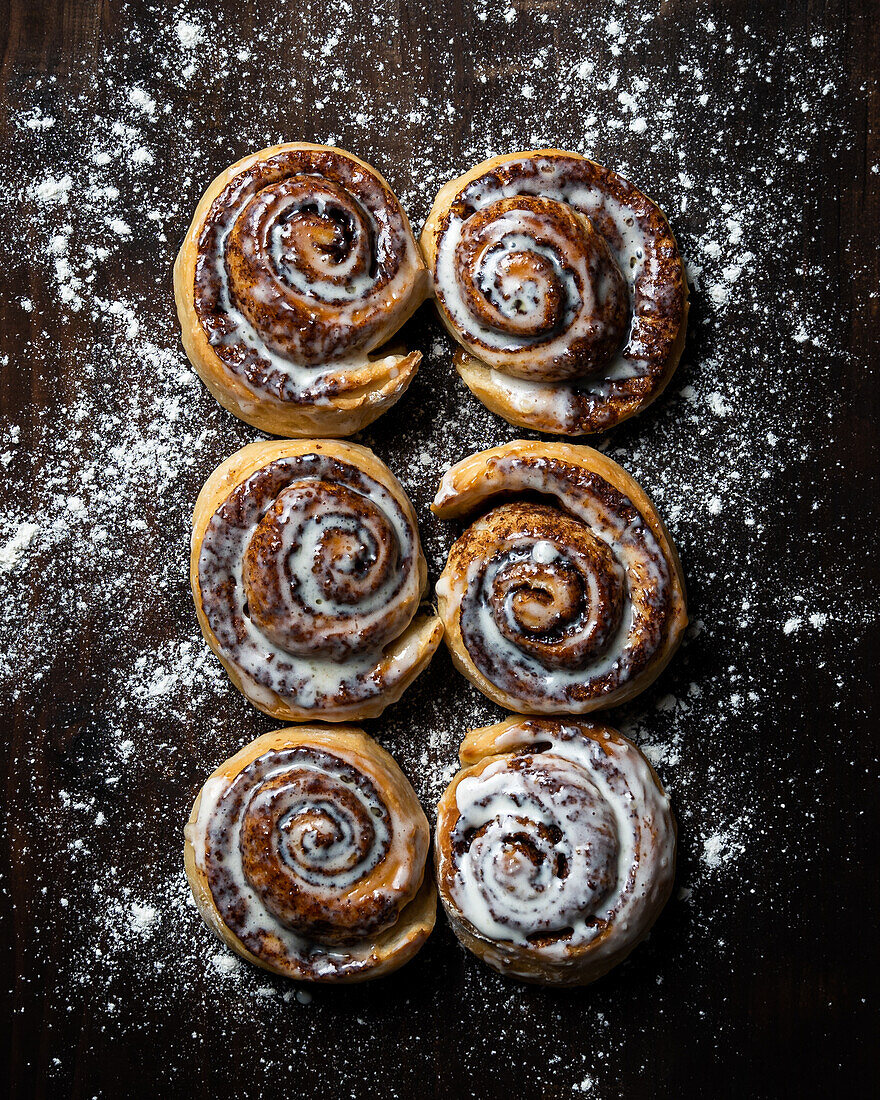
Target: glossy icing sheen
(305, 861)
(557, 608)
(549, 267)
(306, 571)
(300, 259)
(559, 848)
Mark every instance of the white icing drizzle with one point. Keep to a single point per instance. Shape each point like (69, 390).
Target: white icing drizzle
(241, 331)
(544, 552)
(578, 329)
(599, 838)
(346, 282)
(550, 684)
(545, 402)
(629, 248)
(331, 306)
(320, 805)
(301, 377)
(517, 296)
(634, 549)
(351, 635)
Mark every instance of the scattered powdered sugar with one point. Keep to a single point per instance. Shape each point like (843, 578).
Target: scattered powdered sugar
(142, 917)
(98, 631)
(12, 551)
(721, 848)
(190, 34)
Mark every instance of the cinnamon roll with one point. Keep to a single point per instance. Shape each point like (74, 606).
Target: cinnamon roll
(564, 286)
(307, 573)
(569, 596)
(299, 264)
(306, 854)
(555, 849)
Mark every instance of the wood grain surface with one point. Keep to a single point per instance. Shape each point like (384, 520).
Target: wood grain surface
(754, 125)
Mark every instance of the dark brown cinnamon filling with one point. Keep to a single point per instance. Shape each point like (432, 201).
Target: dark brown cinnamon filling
(276, 242)
(533, 290)
(356, 555)
(657, 296)
(266, 616)
(564, 614)
(308, 835)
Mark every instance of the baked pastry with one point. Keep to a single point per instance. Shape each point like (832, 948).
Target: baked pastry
(307, 572)
(306, 854)
(299, 264)
(566, 605)
(555, 849)
(564, 286)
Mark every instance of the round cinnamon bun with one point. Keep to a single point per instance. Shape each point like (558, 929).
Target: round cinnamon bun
(306, 854)
(299, 264)
(555, 849)
(569, 596)
(564, 286)
(307, 574)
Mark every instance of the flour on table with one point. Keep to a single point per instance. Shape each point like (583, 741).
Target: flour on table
(94, 555)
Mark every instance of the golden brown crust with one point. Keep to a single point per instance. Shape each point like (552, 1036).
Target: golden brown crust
(580, 479)
(514, 384)
(353, 962)
(562, 789)
(364, 386)
(401, 661)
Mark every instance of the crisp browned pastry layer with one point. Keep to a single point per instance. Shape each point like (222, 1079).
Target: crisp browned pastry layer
(564, 285)
(306, 853)
(299, 264)
(555, 849)
(564, 605)
(307, 573)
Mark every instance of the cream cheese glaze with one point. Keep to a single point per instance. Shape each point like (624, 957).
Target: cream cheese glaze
(556, 848)
(564, 285)
(307, 853)
(308, 573)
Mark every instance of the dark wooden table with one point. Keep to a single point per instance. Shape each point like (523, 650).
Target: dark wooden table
(754, 124)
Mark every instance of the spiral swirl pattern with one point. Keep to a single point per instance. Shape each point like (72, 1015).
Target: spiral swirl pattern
(312, 847)
(557, 608)
(537, 870)
(564, 285)
(297, 244)
(553, 590)
(529, 269)
(299, 264)
(308, 571)
(555, 848)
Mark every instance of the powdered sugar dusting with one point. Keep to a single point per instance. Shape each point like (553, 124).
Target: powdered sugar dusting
(100, 477)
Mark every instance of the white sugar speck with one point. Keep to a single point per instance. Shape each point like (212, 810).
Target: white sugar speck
(189, 34)
(54, 189)
(12, 550)
(139, 98)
